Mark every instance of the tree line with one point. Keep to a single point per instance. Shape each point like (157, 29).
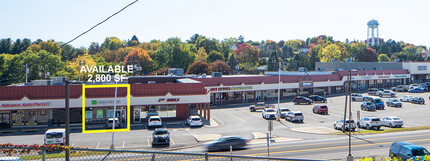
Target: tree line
(197, 55)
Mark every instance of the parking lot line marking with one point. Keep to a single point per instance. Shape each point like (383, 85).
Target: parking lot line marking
(173, 143)
(217, 119)
(235, 117)
(148, 142)
(123, 143)
(73, 144)
(98, 145)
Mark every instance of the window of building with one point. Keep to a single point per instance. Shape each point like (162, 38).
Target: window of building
(422, 67)
(166, 110)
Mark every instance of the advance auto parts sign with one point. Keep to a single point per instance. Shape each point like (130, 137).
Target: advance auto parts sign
(35, 104)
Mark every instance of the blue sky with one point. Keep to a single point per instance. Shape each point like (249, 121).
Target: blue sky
(62, 20)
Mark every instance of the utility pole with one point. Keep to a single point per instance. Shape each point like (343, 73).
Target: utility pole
(350, 157)
(112, 146)
(346, 103)
(26, 73)
(79, 70)
(67, 83)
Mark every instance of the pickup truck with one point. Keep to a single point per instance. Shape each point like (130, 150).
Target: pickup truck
(259, 106)
(386, 93)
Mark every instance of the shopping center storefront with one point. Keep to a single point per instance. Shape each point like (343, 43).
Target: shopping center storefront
(44, 105)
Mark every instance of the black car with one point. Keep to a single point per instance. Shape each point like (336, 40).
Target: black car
(417, 100)
(160, 136)
(224, 143)
(317, 98)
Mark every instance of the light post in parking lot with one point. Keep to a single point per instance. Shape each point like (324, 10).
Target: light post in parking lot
(348, 92)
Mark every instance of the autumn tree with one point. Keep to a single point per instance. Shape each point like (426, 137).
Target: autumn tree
(214, 56)
(383, 58)
(368, 55)
(247, 54)
(356, 49)
(49, 46)
(112, 43)
(85, 60)
(198, 67)
(330, 52)
(201, 54)
(294, 44)
(139, 57)
(219, 66)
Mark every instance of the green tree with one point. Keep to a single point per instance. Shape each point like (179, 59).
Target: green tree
(330, 52)
(428, 58)
(19, 46)
(273, 63)
(368, 55)
(232, 62)
(112, 43)
(314, 53)
(356, 49)
(202, 55)
(94, 48)
(174, 54)
(5, 45)
(198, 67)
(49, 46)
(294, 44)
(383, 58)
(214, 56)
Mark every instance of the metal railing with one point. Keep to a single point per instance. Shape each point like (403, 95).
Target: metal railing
(83, 154)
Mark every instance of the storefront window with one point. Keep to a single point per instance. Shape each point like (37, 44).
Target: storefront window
(250, 95)
(166, 110)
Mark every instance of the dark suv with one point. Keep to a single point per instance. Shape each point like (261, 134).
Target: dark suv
(299, 100)
(161, 136)
(317, 98)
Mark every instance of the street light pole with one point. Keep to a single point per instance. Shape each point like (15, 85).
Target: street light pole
(350, 157)
(112, 146)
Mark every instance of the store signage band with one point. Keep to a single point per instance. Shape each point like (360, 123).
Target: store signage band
(26, 104)
(95, 102)
(168, 99)
(231, 88)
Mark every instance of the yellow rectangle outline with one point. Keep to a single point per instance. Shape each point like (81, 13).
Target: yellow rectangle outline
(105, 86)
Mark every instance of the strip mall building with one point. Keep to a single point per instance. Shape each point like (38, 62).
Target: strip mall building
(175, 98)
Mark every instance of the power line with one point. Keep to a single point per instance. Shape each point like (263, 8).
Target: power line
(29, 64)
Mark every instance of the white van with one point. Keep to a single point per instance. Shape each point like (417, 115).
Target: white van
(55, 136)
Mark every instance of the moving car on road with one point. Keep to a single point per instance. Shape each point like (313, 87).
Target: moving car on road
(320, 109)
(300, 99)
(392, 121)
(224, 143)
(368, 106)
(418, 100)
(393, 103)
(294, 116)
(339, 124)
(160, 136)
(369, 123)
(407, 150)
(406, 98)
(317, 98)
(194, 120)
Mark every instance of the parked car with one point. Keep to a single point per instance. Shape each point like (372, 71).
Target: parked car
(392, 121)
(424, 86)
(300, 99)
(340, 123)
(369, 123)
(320, 109)
(268, 113)
(418, 100)
(379, 104)
(412, 86)
(368, 106)
(406, 150)
(372, 91)
(356, 97)
(258, 106)
(400, 88)
(294, 116)
(109, 123)
(55, 136)
(282, 112)
(224, 143)
(368, 99)
(160, 136)
(154, 121)
(406, 98)
(386, 93)
(393, 103)
(416, 90)
(317, 98)
(194, 120)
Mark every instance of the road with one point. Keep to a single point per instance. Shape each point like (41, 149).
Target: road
(337, 148)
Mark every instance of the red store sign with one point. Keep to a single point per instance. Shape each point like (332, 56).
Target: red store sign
(25, 104)
(168, 100)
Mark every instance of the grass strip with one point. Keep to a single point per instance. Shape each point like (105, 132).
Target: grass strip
(386, 130)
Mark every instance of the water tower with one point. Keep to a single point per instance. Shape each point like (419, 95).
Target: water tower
(372, 24)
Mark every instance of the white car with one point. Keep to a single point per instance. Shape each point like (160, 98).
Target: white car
(406, 98)
(269, 113)
(294, 116)
(392, 121)
(413, 86)
(55, 136)
(154, 121)
(194, 121)
(340, 123)
(357, 97)
(369, 123)
(386, 93)
(282, 112)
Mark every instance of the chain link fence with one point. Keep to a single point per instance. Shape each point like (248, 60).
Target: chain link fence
(83, 154)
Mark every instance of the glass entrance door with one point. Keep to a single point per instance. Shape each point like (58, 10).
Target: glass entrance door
(4, 120)
(137, 111)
